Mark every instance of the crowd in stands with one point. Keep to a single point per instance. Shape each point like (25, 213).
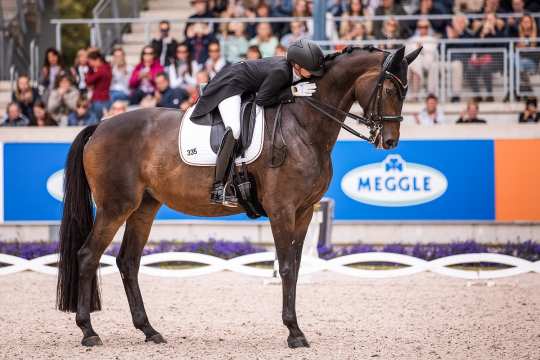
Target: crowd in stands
(173, 66)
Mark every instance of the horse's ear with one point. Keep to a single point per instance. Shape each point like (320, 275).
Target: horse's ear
(412, 56)
(396, 60)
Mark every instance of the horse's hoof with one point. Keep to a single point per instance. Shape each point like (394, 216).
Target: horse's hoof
(297, 342)
(156, 339)
(91, 341)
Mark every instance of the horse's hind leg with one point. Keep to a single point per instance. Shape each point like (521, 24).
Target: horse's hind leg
(135, 237)
(105, 227)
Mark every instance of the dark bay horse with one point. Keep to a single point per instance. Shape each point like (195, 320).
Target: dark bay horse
(130, 165)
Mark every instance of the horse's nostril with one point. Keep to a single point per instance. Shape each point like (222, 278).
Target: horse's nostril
(390, 143)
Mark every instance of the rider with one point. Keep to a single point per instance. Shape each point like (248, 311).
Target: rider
(274, 80)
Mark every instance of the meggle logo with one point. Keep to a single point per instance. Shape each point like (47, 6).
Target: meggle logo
(394, 183)
(55, 185)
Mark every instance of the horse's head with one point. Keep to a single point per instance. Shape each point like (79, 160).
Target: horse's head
(381, 93)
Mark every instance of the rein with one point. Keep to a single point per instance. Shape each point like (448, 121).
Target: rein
(375, 116)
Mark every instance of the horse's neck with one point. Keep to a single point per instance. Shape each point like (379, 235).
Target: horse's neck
(337, 90)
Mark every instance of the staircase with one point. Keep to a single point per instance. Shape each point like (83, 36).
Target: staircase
(157, 9)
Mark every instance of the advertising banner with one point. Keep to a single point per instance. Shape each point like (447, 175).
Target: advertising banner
(421, 180)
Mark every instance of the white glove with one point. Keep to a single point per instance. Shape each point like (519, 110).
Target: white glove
(304, 89)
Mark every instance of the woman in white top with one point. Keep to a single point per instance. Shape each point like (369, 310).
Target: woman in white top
(183, 70)
(121, 72)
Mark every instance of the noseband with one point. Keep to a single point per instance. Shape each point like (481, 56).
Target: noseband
(374, 110)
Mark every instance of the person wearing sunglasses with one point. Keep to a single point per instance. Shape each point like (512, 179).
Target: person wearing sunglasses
(143, 79)
(165, 45)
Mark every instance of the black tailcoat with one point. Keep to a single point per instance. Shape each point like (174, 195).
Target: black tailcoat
(270, 78)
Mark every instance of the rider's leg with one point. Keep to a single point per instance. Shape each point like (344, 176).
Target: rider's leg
(230, 113)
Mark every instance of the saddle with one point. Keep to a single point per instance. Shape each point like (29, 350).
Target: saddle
(247, 125)
(251, 130)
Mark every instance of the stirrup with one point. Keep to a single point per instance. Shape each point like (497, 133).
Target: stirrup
(219, 196)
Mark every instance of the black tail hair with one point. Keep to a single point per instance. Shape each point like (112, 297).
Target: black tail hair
(77, 222)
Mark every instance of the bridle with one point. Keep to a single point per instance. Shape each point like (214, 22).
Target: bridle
(373, 116)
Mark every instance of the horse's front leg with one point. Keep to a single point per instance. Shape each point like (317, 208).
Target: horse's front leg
(289, 229)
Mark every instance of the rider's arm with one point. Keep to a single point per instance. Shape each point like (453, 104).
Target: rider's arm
(275, 89)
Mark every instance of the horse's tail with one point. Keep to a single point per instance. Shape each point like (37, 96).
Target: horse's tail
(77, 222)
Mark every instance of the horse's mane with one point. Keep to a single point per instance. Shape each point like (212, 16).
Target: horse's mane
(349, 49)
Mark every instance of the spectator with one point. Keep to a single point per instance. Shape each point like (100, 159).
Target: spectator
(202, 81)
(14, 116)
(280, 51)
(483, 65)
(426, 62)
(117, 107)
(530, 115)
(301, 9)
(166, 96)
(142, 81)
(25, 95)
(458, 30)
(253, 53)
(391, 31)
(121, 72)
(215, 61)
(298, 31)
(99, 79)
(528, 62)
(426, 8)
(79, 70)
(471, 114)
(63, 99)
(467, 6)
(165, 45)
(183, 71)
(234, 43)
(198, 37)
(202, 11)
(52, 67)
(265, 40)
(431, 114)
(387, 7)
(41, 115)
(348, 29)
(82, 115)
(512, 24)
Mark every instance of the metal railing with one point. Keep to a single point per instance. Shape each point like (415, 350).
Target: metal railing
(148, 21)
(507, 79)
(105, 34)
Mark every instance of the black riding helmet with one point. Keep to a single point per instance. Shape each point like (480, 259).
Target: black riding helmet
(308, 55)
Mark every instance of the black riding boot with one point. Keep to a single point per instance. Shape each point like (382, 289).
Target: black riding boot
(219, 194)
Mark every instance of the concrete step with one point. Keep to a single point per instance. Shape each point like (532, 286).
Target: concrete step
(5, 86)
(177, 29)
(183, 5)
(170, 14)
(134, 38)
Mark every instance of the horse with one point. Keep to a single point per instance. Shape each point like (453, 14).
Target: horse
(129, 166)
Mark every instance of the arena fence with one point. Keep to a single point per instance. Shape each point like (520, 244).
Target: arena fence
(341, 265)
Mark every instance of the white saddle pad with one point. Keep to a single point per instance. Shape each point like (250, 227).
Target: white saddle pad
(194, 142)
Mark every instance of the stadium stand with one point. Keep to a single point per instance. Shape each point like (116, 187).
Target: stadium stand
(484, 69)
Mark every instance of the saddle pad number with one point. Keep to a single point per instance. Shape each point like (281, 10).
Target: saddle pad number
(191, 152)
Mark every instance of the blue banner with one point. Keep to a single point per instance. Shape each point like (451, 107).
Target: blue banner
(420, 180)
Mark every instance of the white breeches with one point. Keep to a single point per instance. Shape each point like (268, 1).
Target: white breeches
(230, 113)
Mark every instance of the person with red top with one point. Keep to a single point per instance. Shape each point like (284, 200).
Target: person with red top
(143, 78)
(98, 79)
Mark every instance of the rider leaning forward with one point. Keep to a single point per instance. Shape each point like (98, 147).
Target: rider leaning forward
(271, 79)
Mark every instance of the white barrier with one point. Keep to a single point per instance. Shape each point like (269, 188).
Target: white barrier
(336, 265)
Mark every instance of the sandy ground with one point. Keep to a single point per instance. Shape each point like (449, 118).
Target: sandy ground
(231, 316)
